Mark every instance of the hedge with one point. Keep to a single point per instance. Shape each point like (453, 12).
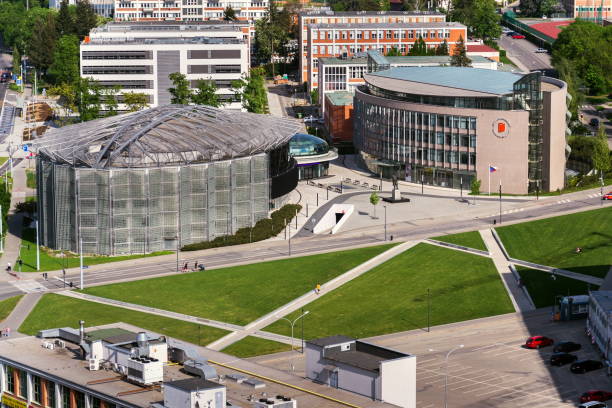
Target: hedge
(263, 229)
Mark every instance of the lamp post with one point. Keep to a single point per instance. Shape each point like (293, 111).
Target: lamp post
(385, 207)
(292, 323)
(601, 180)
(500, 203)
(422, 186)
(446, 373)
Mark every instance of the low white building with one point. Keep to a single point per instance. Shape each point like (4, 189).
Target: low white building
(376, 372)
(598, 322)
(137, 59)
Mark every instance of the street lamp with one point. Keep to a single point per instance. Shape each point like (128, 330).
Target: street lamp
(446, 373)
(385, 221)
(292, 323)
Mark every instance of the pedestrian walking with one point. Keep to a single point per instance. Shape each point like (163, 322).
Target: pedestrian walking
(8, 332)
(8, 267)
(318, 289)
(185, 267)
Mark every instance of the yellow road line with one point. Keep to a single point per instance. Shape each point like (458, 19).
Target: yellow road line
(327, 397)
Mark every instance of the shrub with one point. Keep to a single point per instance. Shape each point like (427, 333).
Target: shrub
(26, 207)
(263, 229)
(15, 87)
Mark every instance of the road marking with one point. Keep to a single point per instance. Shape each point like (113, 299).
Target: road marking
(29, 286)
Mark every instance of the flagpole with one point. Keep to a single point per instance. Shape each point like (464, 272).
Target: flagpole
(489, 171)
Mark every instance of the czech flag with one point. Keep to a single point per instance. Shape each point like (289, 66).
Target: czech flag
(492, 169)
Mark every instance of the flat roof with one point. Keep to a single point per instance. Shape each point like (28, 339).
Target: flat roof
(169, 40)
(389, 26)
(341, 98)
(476, 80)
(331, 340)
(370, 13)
(133, 26)
(193, 384)
(109, 334)
(604, 298)
(404, 59)
(360, 354)
(480, 48)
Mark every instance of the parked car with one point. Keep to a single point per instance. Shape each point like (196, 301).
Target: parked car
(559, 359)
(585, 366)
(518, 36)
(593, 404)
(607, 196)
(566, 347)
(536, 342)
(506, 30)
(4, 77)
(541, 50)
(596, 395)
(594, 122)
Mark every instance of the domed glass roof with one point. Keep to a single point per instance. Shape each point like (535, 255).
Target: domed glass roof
(302, 144)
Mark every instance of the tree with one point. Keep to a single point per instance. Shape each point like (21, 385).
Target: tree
(442, 49)
(601, 152)
(530, 8)
(460, 58)
(135, 101)
(206, 94)
(108, 99)
(65, 21)
(314, 96)
(251, 90)
(181, 94)
(67, 96)
(86, 18)
(475, 186)
(394, 52)
(65, 66)
(16, 61)
(42, 44)
(484, 20)
(89, 99)
(419, 48)
(374, 200)
(229, 14)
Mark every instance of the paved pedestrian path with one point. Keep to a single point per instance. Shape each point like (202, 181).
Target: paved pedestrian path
(19, 314)
(519, 300)
(255, 326)
(12, 241)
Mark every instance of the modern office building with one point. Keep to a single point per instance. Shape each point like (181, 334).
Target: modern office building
(104, 8)
(139, 58)
(338, 116)
(449, 125)
(592, 10)
(333, 36)
(312, 155)
(161, 178)
(187, 10)
(598, 324)
(354, 365)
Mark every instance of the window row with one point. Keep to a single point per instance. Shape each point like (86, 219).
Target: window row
(379, 34)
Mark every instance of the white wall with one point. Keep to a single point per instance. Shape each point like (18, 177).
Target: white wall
(328, 221)
(398, 382)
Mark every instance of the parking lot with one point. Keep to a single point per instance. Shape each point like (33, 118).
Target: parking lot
(492, 369)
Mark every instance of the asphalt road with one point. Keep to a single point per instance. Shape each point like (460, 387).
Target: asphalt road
(267, 250)
(524, 51)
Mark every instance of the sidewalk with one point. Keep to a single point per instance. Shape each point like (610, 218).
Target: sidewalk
(520, 302)
(303, 300)
(12, 241)
(20, 313)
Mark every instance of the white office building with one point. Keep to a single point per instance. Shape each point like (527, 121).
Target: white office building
(140, 57)
(598, 323)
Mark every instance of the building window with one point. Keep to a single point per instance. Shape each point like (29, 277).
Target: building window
(65, 397)
(36, 391)
(411, 34)
(315, 49)
(344, 35)
(10, 379)
(50, 394)
(315, 35)
(23, 384)
(79, 399)
(366, 35)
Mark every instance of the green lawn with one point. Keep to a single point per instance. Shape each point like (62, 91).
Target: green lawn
(31, 178)
(60, 311)
(470, 239)
(543, 289)
(238, 294)
(393, 296)
(7, 306)
(255, 346)
(3, 160)
(553, 241)
(53, 263)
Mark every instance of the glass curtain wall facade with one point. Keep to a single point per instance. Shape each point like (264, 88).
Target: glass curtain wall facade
(434, 148)
(140, 210)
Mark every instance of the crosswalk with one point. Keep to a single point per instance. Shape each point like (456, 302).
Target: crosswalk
(564, 201)
(29, 286)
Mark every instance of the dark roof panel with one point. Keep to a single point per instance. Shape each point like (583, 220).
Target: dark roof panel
(331, 340)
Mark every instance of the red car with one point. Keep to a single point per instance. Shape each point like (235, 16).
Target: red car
(607, 196)
(536, 342)
(518, 36)
(596, 395)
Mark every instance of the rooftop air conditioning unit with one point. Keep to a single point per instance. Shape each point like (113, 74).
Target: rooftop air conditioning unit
(94, 364)
(60, 343)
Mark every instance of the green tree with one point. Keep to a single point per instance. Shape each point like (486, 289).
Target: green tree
(65, 66)
(206, 94)
(135, 101)
(252, 92)
(65, 20)
(67, 96)
(89, 99)
(108, 99)
(419, 48)
(475, 186)
(42, 44)
(16, 61)
(229, 14)
(314, 96)
(530, 8)
(394, 52)
(86, 18)
(601, 152)
(442, 49)
(459, 57)
(374, 200)
(181, 94)
(484, 20)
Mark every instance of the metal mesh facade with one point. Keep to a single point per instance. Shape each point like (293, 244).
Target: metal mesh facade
(159, 179)
(126, 211)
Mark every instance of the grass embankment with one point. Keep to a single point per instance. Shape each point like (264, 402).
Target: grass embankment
(30, 178)
(553, 241)
(255, 346)
(7, 306)
(61, 311)
(239, 294)
(49, 262)
(543, 289)
(393, 296)
(470, 239)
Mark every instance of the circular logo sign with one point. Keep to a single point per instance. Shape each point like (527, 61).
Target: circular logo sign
(501, 128)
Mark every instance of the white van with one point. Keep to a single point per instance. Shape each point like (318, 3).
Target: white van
(593, 404)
